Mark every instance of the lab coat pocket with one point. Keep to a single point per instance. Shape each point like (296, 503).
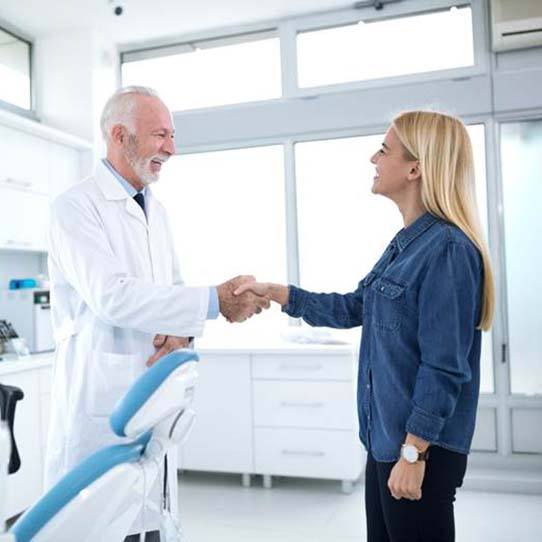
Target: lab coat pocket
(109, 378)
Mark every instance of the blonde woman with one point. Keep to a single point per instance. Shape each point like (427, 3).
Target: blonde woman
(422, 308)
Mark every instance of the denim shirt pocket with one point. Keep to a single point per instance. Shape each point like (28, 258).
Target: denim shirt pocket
(388, 304)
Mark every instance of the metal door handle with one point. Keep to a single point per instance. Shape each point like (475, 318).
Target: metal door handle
(296, 367)
(303, 452)
(289, 404)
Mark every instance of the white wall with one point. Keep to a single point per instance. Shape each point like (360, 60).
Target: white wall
(76, 71)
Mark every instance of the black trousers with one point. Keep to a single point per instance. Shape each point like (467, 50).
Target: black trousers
(150, 536)
(431, 519)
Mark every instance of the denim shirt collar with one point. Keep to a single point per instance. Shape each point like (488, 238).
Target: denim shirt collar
(407, 235)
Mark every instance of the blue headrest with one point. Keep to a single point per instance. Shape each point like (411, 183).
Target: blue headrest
(145, 386)
(82, 476)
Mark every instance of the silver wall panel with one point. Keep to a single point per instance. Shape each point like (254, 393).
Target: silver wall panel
(329, 112)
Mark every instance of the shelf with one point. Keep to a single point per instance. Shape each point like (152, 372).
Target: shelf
(46, 132)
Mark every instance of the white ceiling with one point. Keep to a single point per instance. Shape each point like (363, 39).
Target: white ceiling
(151, 19)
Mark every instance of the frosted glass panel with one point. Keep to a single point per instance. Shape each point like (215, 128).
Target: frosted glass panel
(231, 74)
(14, 70)
(371, 50)
(477, 136)
(521, 154)
(227, 214)
(344, 228)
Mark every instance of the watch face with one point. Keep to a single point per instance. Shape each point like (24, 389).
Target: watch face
(410, 453)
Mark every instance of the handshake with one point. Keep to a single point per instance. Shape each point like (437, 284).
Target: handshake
(238, 299)
(242, 297)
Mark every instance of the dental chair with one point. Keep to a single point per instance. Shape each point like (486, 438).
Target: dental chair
(99, 500)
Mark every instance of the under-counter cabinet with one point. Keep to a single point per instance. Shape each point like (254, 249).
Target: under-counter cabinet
(221, 440)
(305, 420)
(289, 412)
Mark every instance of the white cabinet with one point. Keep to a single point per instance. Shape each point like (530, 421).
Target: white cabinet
(45, 376)
(222, 436)
(305, 422)
(24, 217)
(25, 160)
(311, 405)
(291, 412)
(35, 165)
(309, 453)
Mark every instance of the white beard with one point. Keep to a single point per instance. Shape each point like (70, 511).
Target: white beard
(140, 164)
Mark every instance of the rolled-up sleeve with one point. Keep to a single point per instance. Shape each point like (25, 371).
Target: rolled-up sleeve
(449, 307)
(341, 311)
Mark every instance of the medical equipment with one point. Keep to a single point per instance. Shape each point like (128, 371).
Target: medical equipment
(100, 499)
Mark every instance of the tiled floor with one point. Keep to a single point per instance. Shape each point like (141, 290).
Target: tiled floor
(215, 507)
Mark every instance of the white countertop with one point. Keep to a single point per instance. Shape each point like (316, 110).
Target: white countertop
(11, 364)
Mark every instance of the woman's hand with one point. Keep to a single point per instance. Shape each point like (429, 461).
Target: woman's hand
(405, 481)
(274, 292)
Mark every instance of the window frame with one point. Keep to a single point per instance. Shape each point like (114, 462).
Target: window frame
(215, 38)
(25, 38)
(287, 30)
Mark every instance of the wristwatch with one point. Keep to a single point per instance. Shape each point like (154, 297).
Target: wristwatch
(411, 454)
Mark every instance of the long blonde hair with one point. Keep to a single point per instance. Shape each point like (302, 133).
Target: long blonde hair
(442, 146)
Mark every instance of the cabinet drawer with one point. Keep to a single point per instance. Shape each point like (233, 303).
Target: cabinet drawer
(28, 165)
(322, 405)
(311, 453)
(304, 367)
(24, 219)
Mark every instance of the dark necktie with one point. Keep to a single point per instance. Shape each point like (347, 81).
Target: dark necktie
(140, 199)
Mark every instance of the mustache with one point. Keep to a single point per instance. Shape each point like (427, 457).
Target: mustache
(160, 158)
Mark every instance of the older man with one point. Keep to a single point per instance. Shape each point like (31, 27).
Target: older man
(118, 299)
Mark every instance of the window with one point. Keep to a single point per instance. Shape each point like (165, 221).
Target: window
(521, 149)
(386, 48)
(209, 73)
(227, 214)
(15, 71)
(344, 228)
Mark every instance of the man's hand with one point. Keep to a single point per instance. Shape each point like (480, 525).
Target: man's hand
(239, 308)
(406, 480)
(165, 344)
(274, 292)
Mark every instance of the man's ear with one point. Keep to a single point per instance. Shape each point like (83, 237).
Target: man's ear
(415, 173)
(118, 134)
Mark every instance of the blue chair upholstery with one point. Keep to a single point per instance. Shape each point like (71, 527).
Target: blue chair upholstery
(145, 386)
(87, 472)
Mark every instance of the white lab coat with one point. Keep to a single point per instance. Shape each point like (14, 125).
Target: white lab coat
(115, 283)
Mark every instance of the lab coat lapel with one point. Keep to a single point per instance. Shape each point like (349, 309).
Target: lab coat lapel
(112, 190)
(157, 241)
(133, 209)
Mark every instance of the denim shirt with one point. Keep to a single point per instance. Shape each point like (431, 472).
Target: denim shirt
(419, 366)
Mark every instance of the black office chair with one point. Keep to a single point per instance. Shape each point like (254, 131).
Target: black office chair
(9, 395)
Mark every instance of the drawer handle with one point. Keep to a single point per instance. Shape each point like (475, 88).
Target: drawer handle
(308, 453)
(21, 243)
(297, 367)
(288, 404)
(15, 182)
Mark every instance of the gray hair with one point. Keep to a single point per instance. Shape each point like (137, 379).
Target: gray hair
(120, 107)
